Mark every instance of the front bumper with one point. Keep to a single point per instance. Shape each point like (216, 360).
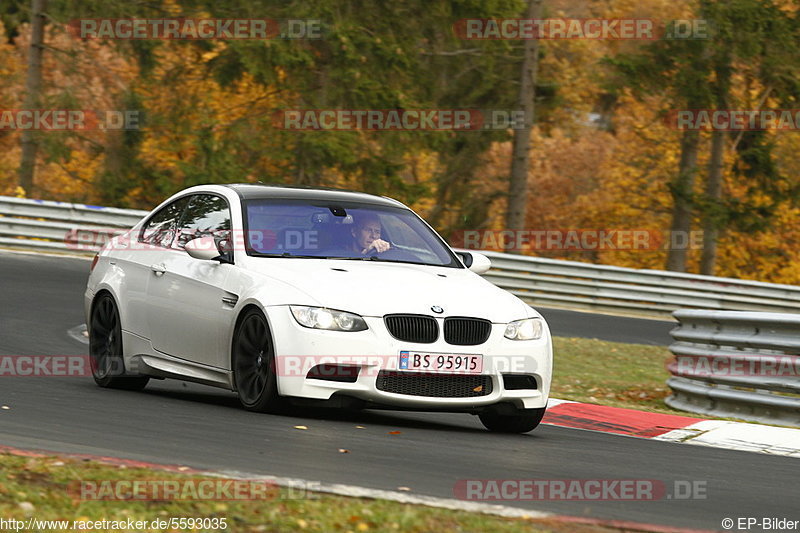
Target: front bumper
(298, 349)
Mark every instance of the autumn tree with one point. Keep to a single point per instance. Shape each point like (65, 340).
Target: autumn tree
(679, 70)
(518, 184)
(758, 40)
(33, 87)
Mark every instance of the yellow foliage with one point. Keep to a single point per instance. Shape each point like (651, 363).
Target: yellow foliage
(201, 104)
(72, 179)
(421, 168)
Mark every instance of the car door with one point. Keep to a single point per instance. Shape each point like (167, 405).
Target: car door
(187, 316)
(134, 258)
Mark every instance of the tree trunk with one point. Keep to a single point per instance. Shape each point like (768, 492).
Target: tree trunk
(682, 189)
(33, 85)
(713, 195)
(713, 213)
(518, 184)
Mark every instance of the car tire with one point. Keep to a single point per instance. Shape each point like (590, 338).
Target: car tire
(523, 421)
(253, 363)
(105, 347)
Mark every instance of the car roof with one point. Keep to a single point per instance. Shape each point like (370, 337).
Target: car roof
(252, 191)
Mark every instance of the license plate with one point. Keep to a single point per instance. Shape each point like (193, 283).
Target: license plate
(441, 362)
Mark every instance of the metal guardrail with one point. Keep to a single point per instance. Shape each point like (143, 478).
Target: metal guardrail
(737, 364)
(45, 225)
(551, 282)
(60, 226)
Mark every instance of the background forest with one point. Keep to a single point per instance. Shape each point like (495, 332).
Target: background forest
(602, 153)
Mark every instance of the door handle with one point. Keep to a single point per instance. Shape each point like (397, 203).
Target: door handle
(158, 269)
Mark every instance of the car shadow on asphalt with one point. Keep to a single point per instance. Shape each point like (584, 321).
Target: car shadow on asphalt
(388, 418)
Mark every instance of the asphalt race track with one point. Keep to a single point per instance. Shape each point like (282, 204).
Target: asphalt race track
(606, 327)
(176, 423)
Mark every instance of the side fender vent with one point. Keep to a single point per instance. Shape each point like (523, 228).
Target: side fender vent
(229, 300)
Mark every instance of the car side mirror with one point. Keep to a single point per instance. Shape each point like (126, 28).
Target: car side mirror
(205, 249)
(475, 261)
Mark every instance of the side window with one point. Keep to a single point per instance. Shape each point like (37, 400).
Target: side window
(160, 229)
(207, 215)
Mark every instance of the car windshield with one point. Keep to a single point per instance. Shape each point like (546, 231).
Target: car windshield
(328, 230)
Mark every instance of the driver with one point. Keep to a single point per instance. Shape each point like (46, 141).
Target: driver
(366, 232)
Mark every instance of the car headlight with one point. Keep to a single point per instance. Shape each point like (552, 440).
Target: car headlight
(527, 329)
(330, 319)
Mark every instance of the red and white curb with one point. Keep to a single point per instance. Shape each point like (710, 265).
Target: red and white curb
(673, 428)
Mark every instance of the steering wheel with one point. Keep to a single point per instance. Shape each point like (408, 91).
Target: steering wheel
(395, 254)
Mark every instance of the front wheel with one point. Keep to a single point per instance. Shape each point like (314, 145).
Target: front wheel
(105, 348)
(523, 421)
(253, 361)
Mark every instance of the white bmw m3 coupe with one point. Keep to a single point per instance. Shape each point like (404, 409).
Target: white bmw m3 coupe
(287, 294)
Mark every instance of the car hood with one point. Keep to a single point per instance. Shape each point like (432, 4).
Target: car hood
(372, 288)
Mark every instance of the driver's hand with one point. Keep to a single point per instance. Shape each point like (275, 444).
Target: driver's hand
(379, 245)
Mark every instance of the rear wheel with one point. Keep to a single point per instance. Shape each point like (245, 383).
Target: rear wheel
(522, 421)
(254, 364)
(105, 347)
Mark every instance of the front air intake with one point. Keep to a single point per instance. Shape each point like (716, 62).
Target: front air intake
(337, 373)
(519, 382)
(434, 385)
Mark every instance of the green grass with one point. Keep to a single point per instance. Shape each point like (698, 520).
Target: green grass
(37, 486)
(611, 373)
(633, 376)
